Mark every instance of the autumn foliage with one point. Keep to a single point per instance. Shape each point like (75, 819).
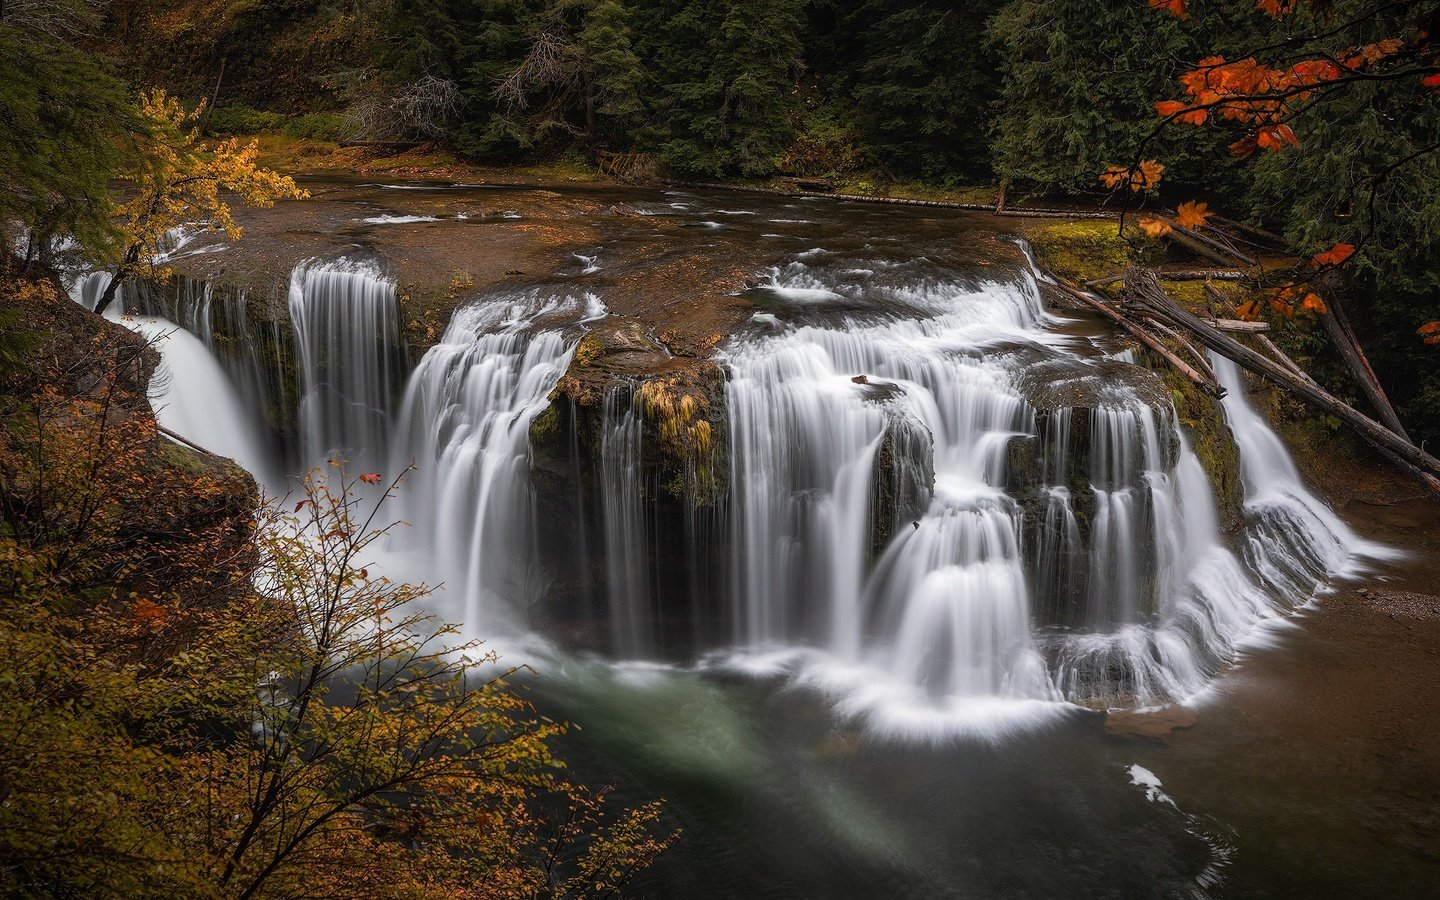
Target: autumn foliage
(202, 701)
(1262, 103)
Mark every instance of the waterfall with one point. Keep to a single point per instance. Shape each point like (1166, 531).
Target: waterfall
(1294, 541)
(939, 505)
(351, 356)
(945, 610)
(465, 423)
(628, 590)
(190, 391)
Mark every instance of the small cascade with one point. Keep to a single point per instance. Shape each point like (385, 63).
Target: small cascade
(945, 610)
(465, 423)
(628, 587)
(193, 396)
(351, 354)
(190, 391)
(1294, 541)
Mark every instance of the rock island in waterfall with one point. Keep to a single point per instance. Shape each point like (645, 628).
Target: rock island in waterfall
(794, 449)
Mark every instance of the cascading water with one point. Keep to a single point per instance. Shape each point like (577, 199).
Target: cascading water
(465, 423)
(622, 493)
(1294, 540)
(889, 537)
(351, 355)
(191, 393)
(1123, 591)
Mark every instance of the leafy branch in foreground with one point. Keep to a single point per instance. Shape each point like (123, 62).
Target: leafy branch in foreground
(387, 757)
(187, 712)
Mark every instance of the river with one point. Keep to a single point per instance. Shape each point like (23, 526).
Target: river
(853, 542)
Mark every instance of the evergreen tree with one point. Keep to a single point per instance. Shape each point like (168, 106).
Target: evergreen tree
(925, 85)
(723, 76)
(1080, 81)
(64, 120)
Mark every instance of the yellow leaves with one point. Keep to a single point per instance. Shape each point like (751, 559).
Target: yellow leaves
(1142, 177)
(181, 179)
(1335, 256)
(1191, 214)
(1154, 228)
(1430, 332)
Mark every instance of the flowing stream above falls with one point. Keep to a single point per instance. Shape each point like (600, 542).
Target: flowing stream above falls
(937, 503)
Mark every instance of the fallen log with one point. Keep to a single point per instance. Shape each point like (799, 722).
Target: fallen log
(1143, 289)
(1180, 275)
(894, 201)
(1209, 385)
(1430, 482)
(1345, 341)
(1219, 246)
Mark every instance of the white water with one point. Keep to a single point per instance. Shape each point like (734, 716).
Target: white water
(1141, 607)
(350, 353)
(465, 423)
(1294, 539)
(1106, 580)
(190, 392)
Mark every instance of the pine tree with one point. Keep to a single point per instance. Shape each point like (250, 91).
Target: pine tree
(724, 75)
(925, 85)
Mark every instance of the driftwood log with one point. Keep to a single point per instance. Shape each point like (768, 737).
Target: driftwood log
(1206, 383)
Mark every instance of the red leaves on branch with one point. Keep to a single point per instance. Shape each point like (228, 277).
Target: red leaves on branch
(148, 613)
(371, 478)
(1176, 8)
(1432, 81)
(1334, 256)
(1430, 331)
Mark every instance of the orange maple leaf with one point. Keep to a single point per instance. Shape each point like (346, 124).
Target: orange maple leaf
(371, 478)
(1430, 331)
(1154, 228)
(1175, 7)
(1276, 137)
(1248, 312)
(1191, 214)
(1313, 303)
(1181, 112)
(1145, 175)
(1334, 256)
(1285, 309)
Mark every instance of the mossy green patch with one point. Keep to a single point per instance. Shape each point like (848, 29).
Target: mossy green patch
(1081, 250)
(1204, 421)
